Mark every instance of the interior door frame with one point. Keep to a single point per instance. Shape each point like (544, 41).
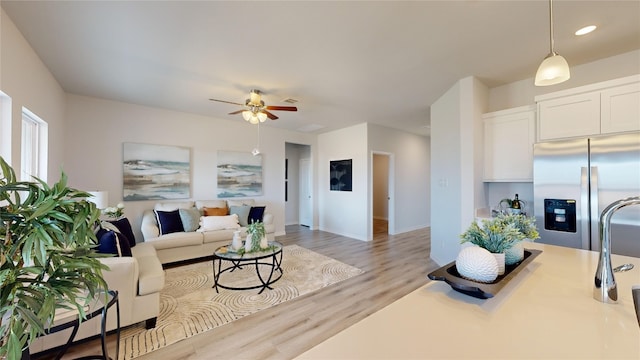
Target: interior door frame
(390, 193)
(300, 195)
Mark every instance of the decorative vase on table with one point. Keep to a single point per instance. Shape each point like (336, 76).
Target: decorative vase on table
(248, 243)
(500, 259)
(236, 242)
(264, 242)
(514, 254)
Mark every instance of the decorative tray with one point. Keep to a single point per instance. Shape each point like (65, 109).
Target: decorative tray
(450, 275)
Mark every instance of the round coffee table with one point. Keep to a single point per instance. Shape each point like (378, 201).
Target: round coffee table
(271, 258)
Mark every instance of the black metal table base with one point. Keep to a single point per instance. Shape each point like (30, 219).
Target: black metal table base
(265, 282)
(103, 330)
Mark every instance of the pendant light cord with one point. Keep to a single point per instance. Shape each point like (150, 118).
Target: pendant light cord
(551, 27)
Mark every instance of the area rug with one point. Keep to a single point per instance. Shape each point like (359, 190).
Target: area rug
(190, 306)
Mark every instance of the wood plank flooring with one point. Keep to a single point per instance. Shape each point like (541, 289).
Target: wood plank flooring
(394, 266)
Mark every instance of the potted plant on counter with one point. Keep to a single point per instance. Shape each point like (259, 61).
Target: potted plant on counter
(47, 257)
(495, 235)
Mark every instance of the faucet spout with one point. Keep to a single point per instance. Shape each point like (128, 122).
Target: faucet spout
(605, 289)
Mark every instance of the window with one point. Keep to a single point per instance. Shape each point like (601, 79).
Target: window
(34, 147)
(5, 127)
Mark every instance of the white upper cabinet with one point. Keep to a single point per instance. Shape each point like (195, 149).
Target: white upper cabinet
(603, 108)
(508, 145)
(620, 109)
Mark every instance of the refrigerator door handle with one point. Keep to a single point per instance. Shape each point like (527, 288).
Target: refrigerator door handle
(595, 208)
(584, 207)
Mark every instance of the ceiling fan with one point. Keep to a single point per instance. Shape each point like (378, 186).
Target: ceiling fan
(255, 110)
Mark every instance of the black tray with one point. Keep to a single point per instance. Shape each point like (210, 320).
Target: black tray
(450, 275)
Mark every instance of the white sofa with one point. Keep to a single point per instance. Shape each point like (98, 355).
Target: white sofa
(138, 280)
(180, 246)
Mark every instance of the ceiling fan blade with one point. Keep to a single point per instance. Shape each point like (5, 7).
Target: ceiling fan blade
(282, 108)
(236, 112)
(227, 102)
(270, 115)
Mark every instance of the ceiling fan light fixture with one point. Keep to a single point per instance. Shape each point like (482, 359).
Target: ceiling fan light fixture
(262, 116)
(554, 68)
(254, 120)
(247, 115)
(255, 98)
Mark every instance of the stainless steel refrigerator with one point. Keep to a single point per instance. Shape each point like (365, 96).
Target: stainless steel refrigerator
(574, 180)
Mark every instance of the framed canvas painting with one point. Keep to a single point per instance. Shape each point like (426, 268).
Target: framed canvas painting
(155, 172)
(239, 174)
(340, 175)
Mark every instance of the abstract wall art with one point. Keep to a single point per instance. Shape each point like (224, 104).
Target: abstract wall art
(340, 175)
(239, 174)
(155, 172)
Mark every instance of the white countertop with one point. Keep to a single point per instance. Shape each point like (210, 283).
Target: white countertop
(547, 311)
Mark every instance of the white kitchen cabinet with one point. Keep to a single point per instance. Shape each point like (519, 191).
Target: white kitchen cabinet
(508, 145)
(620, 109)
(603, 108)
(569, 116)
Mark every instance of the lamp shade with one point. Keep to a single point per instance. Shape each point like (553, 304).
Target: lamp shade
(100, 198)
(247, 115)
(553, 70)
(262, 116)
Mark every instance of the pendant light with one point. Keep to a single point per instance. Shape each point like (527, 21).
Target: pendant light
(554, 68)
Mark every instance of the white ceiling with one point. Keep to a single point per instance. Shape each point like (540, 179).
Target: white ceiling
(347, 62)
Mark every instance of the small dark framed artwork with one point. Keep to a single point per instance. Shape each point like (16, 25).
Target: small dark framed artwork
(340, 175)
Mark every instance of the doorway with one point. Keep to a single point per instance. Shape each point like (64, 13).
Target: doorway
(382, 221)
(298, 185)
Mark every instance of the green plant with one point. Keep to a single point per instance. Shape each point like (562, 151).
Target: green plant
(47, 256)
(526, 225)
(500, 233)
(257, 232)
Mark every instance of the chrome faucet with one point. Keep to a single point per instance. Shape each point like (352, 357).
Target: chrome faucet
(605, 285)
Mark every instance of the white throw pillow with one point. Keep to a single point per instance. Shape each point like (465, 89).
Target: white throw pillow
(209, 223)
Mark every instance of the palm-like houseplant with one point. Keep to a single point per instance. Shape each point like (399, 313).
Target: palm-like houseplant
(47, 257)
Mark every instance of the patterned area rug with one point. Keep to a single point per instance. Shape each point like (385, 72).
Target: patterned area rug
(189, 305)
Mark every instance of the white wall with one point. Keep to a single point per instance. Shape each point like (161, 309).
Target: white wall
(97, 128)
(28, 82)
(344, 212)
(456, 173)
(411, 161)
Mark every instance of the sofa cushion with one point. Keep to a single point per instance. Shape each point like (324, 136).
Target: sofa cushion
(124, 227)
(210, 223)
(169, 221)
(242, 212)
(256, 214)
(151, 278)
(175, 240)
(222, 235)
(111, 242)
(214, 211)
(241, 202)
(211, 204)
(170, 206)
(190, 219)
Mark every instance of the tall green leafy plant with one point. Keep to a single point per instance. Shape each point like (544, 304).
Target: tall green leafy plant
(47, 256)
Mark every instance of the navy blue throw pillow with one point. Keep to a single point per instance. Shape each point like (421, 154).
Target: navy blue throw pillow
(110, 242)
(256, 214)
(169, 221)
(124, 226)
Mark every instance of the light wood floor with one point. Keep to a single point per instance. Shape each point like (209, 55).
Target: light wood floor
(394, 266)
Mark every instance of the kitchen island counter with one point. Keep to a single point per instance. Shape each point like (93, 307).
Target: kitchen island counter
(547, 311)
